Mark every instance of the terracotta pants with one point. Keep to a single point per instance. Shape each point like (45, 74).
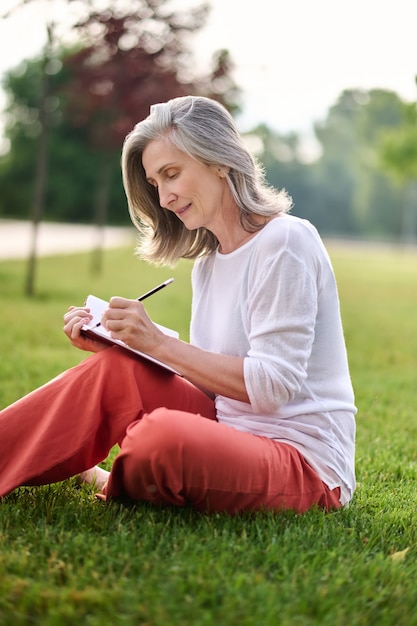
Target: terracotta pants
(173, 451)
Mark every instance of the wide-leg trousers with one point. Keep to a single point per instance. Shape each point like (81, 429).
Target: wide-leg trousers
(173, 451)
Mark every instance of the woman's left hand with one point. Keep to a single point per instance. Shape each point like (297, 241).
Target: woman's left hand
(128, 321)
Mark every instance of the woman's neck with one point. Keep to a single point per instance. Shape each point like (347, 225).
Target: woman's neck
(230, 244)
(232, 236)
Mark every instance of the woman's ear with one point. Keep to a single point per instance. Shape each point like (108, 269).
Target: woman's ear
(222, 171)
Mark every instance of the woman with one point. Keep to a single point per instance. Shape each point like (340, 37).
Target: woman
(263, 416)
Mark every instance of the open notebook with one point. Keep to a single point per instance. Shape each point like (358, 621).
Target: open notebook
(97, 308)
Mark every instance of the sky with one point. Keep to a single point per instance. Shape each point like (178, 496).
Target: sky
(292, 58)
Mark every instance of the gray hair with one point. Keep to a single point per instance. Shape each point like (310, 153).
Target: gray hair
(205, 130)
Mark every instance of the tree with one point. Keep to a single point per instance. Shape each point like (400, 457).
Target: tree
(41, 171)
(343, 191)
(131, 60)
(41, 165)
(72, 164)
(127, 62)
(124, 61)
(398, 154)
(357, 197)
(286, 167)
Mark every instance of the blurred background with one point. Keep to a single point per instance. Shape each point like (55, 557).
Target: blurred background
(324, 92)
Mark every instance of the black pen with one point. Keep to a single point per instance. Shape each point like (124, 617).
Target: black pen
(155, 289)
(151, 292)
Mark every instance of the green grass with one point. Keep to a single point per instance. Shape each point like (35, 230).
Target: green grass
(67, 559)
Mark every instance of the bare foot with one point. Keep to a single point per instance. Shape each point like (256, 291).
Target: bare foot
(95, 476)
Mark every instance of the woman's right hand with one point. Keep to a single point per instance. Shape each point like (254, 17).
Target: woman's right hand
(74, 320)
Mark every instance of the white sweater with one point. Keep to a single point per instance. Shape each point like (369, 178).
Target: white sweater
(274, 302)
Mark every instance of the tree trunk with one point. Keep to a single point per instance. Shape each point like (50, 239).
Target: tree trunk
(101, 211)
(40, 171)
(409, 214)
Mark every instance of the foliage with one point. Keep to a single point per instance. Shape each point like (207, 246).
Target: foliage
(122, 61)
(285, 167)
(398, 156)
(345, 191)
(398, 147)
(68, 559)
(128, 62)
(72, 177)
(360, 192)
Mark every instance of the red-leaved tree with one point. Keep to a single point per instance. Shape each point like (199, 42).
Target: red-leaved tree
(128, 61)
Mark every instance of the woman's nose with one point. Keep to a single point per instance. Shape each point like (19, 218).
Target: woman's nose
(166, 197)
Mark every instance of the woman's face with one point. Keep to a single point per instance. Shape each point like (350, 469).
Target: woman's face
(198, 194)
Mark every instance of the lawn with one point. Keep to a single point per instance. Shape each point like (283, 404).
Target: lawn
(67, 559)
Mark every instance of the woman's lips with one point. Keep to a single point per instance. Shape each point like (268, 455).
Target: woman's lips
(183, 210)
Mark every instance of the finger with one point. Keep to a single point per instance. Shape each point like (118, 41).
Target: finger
(120, 326)
(76, 312)
(72, 309)
(128, 315)
(76, 328)
(116, 302)
(73, 325)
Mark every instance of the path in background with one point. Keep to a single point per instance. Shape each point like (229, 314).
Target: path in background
(54, 238)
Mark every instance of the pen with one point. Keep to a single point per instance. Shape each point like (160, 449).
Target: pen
(155, 289)
(150, 293)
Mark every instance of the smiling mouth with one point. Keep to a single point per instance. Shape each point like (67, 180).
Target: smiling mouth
(183, 210)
